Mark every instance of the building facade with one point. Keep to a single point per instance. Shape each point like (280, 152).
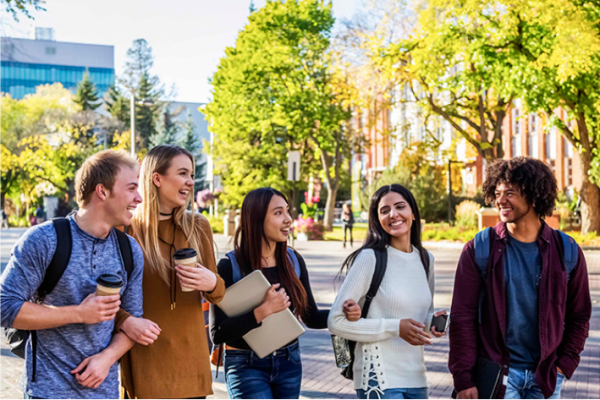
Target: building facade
(522, 135)
(28, 63)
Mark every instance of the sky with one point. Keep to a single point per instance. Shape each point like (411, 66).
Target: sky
(188, 37)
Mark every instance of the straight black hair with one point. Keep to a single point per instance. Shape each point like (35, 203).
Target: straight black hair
(248, 242)
(378, 238)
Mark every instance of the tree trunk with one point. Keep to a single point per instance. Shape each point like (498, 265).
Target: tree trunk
(330, 205)
(590, 198)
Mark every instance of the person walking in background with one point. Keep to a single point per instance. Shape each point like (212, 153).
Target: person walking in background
(348, 222)
(4, 219)
(260, 243)
(172, 358)
(389, 361)
(521, 294)
(75, 351)
(40, 215)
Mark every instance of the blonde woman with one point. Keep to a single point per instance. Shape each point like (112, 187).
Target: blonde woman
(171, 359)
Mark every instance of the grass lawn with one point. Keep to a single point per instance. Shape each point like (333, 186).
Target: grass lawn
(359, 232)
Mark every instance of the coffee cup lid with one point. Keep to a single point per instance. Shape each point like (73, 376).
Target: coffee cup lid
(110, 281)
(182, 254)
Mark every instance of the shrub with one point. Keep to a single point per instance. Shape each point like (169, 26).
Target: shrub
(313, 230)
(466, 216)
(418, 171)
(216, 224)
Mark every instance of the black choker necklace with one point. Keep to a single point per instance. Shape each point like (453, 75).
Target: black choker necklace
(166, 215)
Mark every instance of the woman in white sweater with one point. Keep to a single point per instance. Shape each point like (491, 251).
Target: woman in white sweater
(389, 355)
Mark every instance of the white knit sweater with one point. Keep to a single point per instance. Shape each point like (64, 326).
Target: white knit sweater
(405, 292)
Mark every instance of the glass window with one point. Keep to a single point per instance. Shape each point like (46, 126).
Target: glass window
(568, 148)
(533, 145)
(516, 145)
(551, 144)
(516, 122)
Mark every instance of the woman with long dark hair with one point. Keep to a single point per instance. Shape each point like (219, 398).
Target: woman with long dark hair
(260, 243)
(389, 354)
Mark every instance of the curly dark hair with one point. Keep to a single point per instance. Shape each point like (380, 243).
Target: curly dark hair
(534, 179)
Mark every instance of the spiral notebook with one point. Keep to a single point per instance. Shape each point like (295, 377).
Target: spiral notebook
(276, 330)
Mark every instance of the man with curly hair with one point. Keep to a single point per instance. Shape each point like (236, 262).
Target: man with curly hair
(521, 296)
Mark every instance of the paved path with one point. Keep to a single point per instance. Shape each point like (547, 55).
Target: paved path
(321, 378)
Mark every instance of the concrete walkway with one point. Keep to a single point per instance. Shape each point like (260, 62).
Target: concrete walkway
(321, 378)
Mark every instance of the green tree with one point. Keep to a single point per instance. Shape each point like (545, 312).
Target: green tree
(274, 92)
(168, 129)
(35, 114)
(468, 60)
(418, 171)
(117, 105)
(30, 164)
(444, 68)
(23, 6)
(140, 61)
(86, 95)
(190, 140)
(146, 115)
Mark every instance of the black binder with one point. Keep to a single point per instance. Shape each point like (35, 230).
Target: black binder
(487, 376)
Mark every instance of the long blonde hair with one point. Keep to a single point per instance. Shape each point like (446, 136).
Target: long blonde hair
(145, 221)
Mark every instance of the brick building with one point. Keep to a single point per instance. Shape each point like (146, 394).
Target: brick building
(523, 135)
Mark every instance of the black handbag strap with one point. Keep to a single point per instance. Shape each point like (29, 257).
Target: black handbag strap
(380, 267)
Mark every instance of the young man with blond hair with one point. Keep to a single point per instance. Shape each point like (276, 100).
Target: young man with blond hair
(76, 352)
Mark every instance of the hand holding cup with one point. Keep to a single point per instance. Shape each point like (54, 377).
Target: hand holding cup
(196, 278)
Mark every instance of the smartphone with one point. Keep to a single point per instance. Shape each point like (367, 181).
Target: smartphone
(440, 322)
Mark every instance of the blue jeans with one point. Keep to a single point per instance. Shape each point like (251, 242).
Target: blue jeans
(392, 393)
(522, 385)
(277, 376)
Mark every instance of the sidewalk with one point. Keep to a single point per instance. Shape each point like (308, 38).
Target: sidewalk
(321, 378)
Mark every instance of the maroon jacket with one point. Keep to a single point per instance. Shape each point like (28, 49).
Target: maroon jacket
(564, 312)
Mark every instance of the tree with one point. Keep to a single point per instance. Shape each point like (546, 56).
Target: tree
(86, 96)
(22, 6)
(447, 66)
(562, 58)
(418, 171)
(190, 140)
(274, 92)
(468, 61)
(146, 115)
(35, 114)
(139, 63)
(45, 140)
(117, 105)
(168, 129)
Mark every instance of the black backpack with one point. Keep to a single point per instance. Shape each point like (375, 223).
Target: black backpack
(17, 338)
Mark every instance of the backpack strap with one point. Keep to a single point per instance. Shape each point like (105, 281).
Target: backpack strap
(56, 268)
(60, 259)
(236, 273)
(295, 261)
(380, 267)
(126, 252)
(570, 252)
(481, 247)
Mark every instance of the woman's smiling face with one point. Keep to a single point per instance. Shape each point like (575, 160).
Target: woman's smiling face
(395, 214)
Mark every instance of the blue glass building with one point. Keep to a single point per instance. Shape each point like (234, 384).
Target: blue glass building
(29, 63)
